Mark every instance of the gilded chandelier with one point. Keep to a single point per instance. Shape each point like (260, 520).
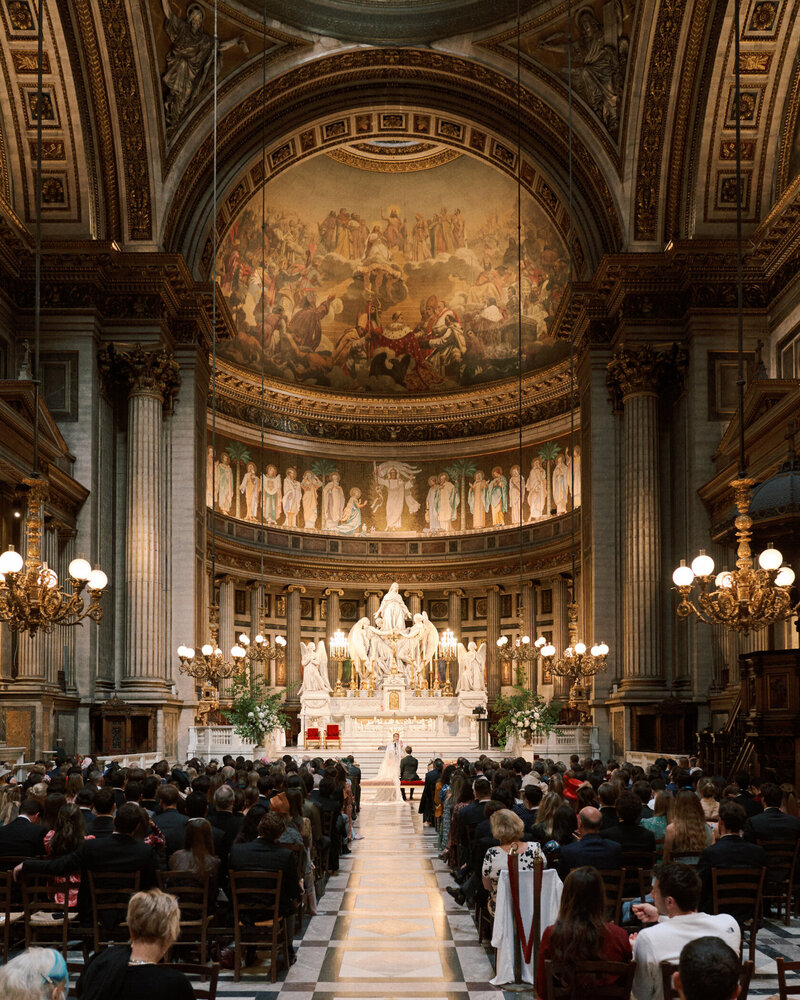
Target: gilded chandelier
(747, 598)
(31, 599)
(520, 649)
(575, 661)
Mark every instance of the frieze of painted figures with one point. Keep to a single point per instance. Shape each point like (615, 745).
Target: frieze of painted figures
(394, 496)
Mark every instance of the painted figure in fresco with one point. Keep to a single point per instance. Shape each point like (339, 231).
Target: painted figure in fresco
(449, 347)
(420, 239)
(515, 489)
(537, 490)
(350, 523)
(561, 485)
(271, 493)
(250, 489)
(431, 506)
(392, 614)
(190, 60)
(441, 229)
(446, 502)
(310, 484)
(332, 503)
(398, 495)
(225, 484)
(210, 498)
(477, 500)
(576, 467)
(496, 499)
(292, 497)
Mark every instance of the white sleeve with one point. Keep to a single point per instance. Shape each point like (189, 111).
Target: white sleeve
(647, 978)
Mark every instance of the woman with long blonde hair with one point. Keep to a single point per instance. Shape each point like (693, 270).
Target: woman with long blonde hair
(688, 830)
(545, 814)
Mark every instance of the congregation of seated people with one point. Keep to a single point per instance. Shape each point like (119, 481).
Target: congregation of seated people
(206, 823)
(661, 842)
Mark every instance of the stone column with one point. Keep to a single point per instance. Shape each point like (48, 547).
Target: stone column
(413, 601)
(54, 641)
(561, 598)
(293, 593)
(333, 596)
(373, 603)
(454, 624)
(529, 628)
(227, 629)
(492, 635)
(152, 379)
(635, 378)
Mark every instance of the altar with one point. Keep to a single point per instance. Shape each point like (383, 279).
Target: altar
(395, 682)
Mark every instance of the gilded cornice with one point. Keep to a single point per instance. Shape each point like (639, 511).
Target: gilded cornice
(293, 97)
(130, 114)
(312, 412)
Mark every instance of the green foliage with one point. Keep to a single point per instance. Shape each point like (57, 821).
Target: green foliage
(323, 467)
(254, 713)
(461, 467)
(549, 451)
(523, 712)
(238, 452)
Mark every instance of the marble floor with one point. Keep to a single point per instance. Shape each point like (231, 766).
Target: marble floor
(387, 930)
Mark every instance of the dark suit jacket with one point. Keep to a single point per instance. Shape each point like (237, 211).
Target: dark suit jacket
(408, 768)
(772, 824)
(592, 850)
(117, 853)
(258, 855)
(749, 804)
(102, 826)
(728, 852)
(426, 804)
(88, 818)
(610, 818)
(173, 825)
(230, 824)
(631, 835)
(22, 839)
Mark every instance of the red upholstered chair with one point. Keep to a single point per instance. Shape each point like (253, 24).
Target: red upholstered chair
(313, 739)
(333, 737)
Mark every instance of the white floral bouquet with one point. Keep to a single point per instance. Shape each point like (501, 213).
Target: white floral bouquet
(526, 720)
(521, 713)
(254, 713)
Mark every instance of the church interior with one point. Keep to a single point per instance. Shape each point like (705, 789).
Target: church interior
(485, 300)
(391, 372)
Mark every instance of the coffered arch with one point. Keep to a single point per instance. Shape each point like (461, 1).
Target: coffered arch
(484, 101)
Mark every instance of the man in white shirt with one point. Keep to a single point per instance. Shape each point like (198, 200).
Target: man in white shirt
(676, 894)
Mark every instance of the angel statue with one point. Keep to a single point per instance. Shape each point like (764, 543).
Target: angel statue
(315, 668)
(429, 641)
(359, 642)
(471, 667)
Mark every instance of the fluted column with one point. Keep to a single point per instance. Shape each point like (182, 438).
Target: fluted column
(54, 641)
(492, 635)
(529, 629)
(66, 652)
(152, 379)
(561, 597)
(635, 378)
(333, 596)
(454, 624)
(226, 628)
(373, 603)
(413, 601)
(293, 593)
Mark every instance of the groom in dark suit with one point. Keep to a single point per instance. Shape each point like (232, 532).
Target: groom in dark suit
(408, 772)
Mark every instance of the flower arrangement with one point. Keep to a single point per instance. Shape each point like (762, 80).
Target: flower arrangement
(255, 713)
(523, 714)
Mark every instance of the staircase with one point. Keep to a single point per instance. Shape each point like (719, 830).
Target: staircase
(369, 757)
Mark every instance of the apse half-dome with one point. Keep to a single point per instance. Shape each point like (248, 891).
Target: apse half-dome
(392, 268)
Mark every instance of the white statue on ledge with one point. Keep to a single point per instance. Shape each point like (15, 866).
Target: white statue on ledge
(315, 668)
(392, 614)
(471, 667)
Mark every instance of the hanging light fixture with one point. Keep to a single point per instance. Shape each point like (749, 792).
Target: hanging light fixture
(577, 661)
(448, 652)
(338, 652)
(31, 599)
(750, 597)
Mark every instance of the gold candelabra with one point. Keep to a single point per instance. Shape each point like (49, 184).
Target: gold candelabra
(31, 599)
(520, 649)
(447, 651)
(338, 652)
(210, 667)
(747, 598)
(576, 661)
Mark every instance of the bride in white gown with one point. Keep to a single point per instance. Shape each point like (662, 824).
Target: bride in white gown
(387, 782)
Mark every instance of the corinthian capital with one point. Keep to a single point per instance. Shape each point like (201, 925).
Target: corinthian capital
(141, 371)
(645, 371)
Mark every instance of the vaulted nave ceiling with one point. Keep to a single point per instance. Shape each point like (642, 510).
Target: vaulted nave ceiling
(652, 110)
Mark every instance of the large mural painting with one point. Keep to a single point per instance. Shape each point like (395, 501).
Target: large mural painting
(348, 496)
(392, 283)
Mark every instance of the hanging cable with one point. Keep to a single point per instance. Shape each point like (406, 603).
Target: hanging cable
(37, 305)
(263, 289)
(571, 240)
(519, 288)
(214, 324)
(740, 380)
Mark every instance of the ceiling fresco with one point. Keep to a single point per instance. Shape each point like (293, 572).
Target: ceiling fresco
(392, 281)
